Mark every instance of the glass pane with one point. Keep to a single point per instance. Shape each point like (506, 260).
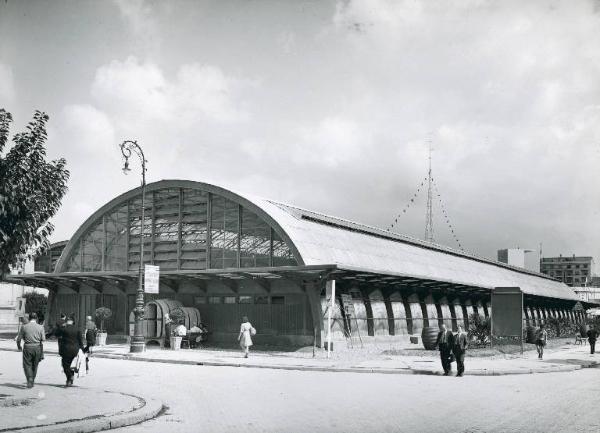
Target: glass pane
(245, 300)
(282, 255)
(116, 240)
(193, 229)
(224, 233)
(92, 245)
(255, 244)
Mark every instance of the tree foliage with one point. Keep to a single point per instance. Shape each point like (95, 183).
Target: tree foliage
(36, 303)
(479, 329)
(31, 190)
(103, 313)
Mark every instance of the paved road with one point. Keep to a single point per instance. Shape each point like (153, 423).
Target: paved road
(224, 399)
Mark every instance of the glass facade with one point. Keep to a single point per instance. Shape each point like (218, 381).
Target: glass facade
(183, 229)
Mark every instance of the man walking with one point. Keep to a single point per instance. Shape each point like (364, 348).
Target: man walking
(32, 334)
(69, 344)
(592, 336)
(461, 343)
(445, 341)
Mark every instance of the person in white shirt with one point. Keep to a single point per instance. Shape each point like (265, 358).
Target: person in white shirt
(181, 330)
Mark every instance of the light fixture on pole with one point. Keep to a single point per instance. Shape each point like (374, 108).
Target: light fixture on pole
(138, 343)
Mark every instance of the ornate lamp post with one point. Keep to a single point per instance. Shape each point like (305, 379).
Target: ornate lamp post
(138, 343)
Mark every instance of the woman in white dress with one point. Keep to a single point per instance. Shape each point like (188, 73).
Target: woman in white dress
(245, 337)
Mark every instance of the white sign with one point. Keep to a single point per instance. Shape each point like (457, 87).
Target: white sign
(20, 307)
(151, 276)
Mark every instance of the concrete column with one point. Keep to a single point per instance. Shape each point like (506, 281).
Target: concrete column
(313, 292)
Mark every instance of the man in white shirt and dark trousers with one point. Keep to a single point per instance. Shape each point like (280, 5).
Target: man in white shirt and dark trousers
(32, 334)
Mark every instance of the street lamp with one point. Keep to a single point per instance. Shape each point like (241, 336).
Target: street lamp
(138, 343)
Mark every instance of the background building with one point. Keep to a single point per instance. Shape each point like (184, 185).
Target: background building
(588, 294)
(9, 292)
(573, 271)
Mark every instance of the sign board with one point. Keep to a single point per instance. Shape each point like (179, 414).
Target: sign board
(20, 307)
(507, 312)
(151, 278)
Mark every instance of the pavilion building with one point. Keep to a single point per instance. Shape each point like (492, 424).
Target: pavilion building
(231, 255)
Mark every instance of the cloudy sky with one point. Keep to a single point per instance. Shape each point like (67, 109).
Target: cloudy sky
(328, 105)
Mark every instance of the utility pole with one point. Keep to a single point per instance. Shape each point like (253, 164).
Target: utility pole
(429, 215)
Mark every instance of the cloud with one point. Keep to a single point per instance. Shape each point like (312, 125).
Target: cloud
(197, 92)
(138, 14)
(7, 85)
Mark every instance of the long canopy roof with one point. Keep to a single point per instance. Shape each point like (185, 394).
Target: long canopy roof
(321, 240)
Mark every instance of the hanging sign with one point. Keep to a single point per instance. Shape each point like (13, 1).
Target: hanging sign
(151, 277)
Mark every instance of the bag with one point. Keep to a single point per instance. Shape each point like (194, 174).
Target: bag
(252, 331)
(452, 358)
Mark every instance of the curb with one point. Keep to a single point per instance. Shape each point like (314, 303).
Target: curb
(406, 370)
(149, 410)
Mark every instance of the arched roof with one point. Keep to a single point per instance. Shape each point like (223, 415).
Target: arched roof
(318, 239)
(169, 184)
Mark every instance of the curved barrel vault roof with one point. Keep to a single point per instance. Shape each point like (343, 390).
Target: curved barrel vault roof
(318, 239)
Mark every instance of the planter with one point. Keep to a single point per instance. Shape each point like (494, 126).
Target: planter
(101, 338)
(176, 342)
(429, 337)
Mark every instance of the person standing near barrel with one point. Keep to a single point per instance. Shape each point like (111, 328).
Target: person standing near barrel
(245, 337)
(540, 342)
(445, 342)
(592, 336)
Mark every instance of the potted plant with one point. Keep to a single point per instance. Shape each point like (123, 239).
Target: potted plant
(102, 313)
(177, 315)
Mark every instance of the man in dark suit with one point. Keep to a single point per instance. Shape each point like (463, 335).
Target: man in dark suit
(69, 343)
(461, 342)
(592, 336)
(445, 342)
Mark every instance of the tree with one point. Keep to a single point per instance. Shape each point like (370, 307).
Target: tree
(103, 313)
(36, 303)
(31, 190)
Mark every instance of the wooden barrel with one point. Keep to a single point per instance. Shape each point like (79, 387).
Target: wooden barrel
(154, 312)
(429, 337)
(191, 317)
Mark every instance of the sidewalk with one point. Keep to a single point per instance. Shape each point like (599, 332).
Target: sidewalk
(35, 410)
(565, 358)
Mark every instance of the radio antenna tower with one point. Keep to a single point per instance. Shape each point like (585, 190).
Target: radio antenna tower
(429, 214)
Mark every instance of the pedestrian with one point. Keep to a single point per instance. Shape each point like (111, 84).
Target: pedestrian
(592, 335)
(90, 340)
(32, 334)
(60, 323)
(461, 343)
(245, 337)
(445, 342)
(168, 325)
(70, 342)
(540, 342)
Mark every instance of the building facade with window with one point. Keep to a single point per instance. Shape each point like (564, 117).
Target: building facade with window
(572, 270)
(231, 255)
